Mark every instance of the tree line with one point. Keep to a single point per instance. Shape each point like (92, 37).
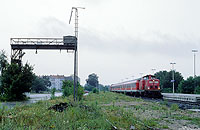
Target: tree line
(92, 84)
(191, 85)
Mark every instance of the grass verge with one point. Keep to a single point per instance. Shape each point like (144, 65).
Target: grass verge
(104, 111)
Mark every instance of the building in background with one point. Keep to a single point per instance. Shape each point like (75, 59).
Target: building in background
(57, 80)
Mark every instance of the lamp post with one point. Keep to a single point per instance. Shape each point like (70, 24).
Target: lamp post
(173, 74)
(153, 70)
(194, 51)
(141, 74)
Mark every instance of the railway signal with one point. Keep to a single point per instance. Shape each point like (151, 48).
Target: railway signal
(172, 81)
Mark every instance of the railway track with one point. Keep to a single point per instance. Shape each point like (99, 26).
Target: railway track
(168, 102)
(181, 104)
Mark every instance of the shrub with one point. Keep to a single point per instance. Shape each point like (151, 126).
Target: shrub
(53, 90)
(174, 107)
(68, 89)
(94, 90)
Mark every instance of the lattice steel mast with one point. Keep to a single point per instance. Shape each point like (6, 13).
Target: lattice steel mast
(76, 52)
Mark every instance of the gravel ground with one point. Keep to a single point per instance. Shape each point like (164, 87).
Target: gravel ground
(164, 114)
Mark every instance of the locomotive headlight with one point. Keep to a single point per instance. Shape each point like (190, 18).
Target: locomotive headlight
(148, 87)
(158, 87)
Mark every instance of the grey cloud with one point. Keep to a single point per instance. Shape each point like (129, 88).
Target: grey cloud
(162, 44)
(53, 27)
(166, 46)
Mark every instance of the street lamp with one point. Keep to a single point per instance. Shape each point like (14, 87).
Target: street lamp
(194, 51)
(153, 70)
(173, 75)
(141, 74)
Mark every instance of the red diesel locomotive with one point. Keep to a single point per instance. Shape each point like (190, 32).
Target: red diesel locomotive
(147, 86)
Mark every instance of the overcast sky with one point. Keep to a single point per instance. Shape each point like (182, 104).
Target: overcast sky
(118, 39)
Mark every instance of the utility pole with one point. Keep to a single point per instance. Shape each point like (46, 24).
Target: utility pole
(194, 51)
(98, 86)
(76, 52)
(173, 74)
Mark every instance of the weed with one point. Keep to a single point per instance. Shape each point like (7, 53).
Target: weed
(174, 107)
(165, 127)
(193, 120)
(90, 113)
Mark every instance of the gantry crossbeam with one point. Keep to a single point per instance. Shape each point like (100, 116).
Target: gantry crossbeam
(40, 43)
(19, 44)
(46, 47)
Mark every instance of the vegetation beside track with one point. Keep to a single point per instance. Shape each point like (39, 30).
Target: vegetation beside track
(98, 111)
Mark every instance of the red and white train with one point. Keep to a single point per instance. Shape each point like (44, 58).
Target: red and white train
(147, 86)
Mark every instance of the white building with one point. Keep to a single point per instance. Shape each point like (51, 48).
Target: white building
(57, 80)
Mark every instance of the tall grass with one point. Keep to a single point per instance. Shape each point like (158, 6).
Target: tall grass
(101, 111)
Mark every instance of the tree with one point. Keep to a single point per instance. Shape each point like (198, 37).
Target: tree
(187, 86)
(3, 63)
(69, 90)
(3, 60)
(94, 90)
(197, 85)
(165, 80)
(107, 87)
(88, 87)
(46, 81)
(91, 82)
(40, 84)
(197, 90)
(190, 85)
(16, 80)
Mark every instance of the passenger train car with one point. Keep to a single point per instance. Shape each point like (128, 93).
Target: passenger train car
(147, 86)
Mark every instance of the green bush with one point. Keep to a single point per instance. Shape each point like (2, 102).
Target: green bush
(94, 90)
(15, 81)
(68, 89)
(53, 90)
